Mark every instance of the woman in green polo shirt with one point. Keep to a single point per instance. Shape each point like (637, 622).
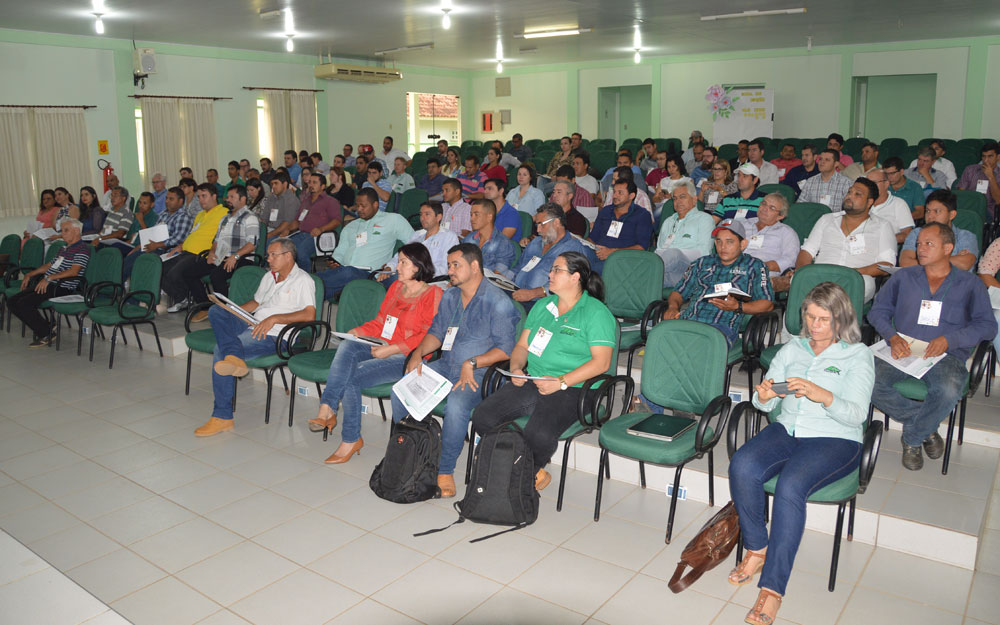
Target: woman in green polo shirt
(568, 338)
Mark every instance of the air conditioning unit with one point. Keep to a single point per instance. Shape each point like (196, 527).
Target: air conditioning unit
(357, 73)
(144, 61)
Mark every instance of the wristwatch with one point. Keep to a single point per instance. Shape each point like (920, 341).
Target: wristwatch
(562, 383)
(472, 361)
(237, 256)
(739, 306)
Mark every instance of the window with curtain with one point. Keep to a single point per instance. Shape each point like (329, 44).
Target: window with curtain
(177, 132)
(291, 121)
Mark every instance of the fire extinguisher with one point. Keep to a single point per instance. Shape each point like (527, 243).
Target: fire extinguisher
(107, 170)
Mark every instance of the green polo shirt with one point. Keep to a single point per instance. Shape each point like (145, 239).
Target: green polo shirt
(589, 323)
(911, 193)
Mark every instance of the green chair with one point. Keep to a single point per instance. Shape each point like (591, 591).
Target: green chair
(684, 371)
(527, 223)
(11, 246)
(976, 145)
(242, 287)
(31, 257)
(972, 201)
(359, 302)
(893, 146)
(144, 288)
(50, 255)
(802, 216)
(102, 283)
(840, 493)
(971, 221)
(783, 189)
(633, 282)
(852, 147)
(728, 151)
(410, 201)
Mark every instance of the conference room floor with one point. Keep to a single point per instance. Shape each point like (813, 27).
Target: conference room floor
(122, 507)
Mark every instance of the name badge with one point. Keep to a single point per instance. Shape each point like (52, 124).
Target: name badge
(826, 199)
(541, 340)
(389, 327)
(700, 182)
(531, 263)
(274, 215)
(615, 229)
(57, 263)
(449, 338)
(360, 239)
(106, 231)
(930, 313)
(802, 183)
(303, 214)
(756, 242)
(855, 245)
(742, 213)
(552, 308)
(713, 197)
(669, 240)
(982, 186)
(723, 287)
(781, 172)
(446, 225)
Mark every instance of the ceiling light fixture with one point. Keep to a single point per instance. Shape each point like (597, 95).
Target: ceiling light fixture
(99, 24)
(539, 34)
(289, 44)
(420, 46)
(752, 13)
(98, 12)
(637, 44)
(446, 9)
(289, 30)
(499, 56)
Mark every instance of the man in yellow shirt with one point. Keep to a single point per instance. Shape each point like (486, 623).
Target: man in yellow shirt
(206, 224)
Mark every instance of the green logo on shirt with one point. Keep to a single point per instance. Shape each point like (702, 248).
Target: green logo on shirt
(832, 369)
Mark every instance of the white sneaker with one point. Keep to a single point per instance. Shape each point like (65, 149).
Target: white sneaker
(179, 306)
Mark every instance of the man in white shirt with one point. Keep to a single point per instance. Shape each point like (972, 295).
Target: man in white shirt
(940, 163)
(581, 170)
(286, 294)
(437, 241)
(852, 237)
(768, 170)
(456, 209)
(867, 164)
(830, 186)
(389, 154)
(893, 209)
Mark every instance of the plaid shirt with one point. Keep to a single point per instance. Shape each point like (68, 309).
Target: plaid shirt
(235, 230)
(815, 189)
(178, 225)
(746, 273)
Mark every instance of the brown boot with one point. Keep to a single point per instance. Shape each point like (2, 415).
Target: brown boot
(214, 426)
(231, 365)
(446, 483)
(542, 479)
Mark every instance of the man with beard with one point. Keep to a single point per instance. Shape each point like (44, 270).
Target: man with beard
(704, 170)
(531, 273)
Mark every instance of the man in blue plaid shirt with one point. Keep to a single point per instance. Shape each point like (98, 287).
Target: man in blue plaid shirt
(178, 222)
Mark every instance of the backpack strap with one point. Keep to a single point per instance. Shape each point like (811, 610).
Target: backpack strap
(509, 529)
(441, 529)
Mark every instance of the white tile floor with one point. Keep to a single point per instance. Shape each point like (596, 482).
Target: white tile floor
(102, 481)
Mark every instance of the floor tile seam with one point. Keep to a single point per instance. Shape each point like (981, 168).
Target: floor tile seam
(179, 581)
(627, 568)
(492, 579)
(288, 520)
(910, 600)
(922, 523)
(589, 616)
(372, 594)
(296, 565)
(987, 496)
(140, 556)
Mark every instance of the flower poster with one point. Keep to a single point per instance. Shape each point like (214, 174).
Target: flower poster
(740, 113)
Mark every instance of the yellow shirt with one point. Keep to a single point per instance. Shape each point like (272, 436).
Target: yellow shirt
(206, 224)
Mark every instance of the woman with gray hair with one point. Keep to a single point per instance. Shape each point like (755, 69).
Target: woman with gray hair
(815, 439)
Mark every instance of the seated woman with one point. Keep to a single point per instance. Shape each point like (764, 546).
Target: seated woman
(814, 441)
(403, 319)
(91, 213)
(47, 210)
(67, 207)
(568, 338)
(492, 167)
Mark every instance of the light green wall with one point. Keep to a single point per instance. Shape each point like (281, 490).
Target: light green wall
(892, 109)
(535, 103)
(991, 97)
(593, 78)
(635, 112)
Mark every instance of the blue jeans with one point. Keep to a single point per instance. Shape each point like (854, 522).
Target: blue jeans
(456, 418)
(305, 248)
(945, 383)
(675, 263)
(806, 465)
(334, 280)
(354, 368)
(232, 338)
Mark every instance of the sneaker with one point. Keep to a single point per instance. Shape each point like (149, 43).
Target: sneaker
(161, 309)
(913, 458)
(934, 446)
(178, 307)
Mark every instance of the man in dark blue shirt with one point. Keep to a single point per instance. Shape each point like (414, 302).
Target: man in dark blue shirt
(622, 226)
(947, 308)
(800, 173)
(432, 181)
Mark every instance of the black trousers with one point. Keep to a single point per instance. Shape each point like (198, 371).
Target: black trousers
(193, 272)
(25, 305)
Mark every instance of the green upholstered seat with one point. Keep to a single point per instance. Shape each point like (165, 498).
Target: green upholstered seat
(842, 490)
(144, 288)
(312, 366)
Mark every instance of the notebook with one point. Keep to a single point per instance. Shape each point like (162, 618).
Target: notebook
(662, 427)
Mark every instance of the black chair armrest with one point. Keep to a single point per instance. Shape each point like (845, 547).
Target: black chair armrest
(869, 454)
(139, 295)
(13, 272)
(978, 368)
(493, 379)
(257, 259)
(590, 416)
(654, 314)
(744, 408)
(718, 406)
(99, 287)
(292, 341)
(761, 332)
(191, 313)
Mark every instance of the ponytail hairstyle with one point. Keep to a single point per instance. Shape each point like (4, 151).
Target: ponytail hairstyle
(590, 281)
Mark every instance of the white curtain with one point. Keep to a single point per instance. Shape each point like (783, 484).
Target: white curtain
(161, 144)
(303, 106)
(61, 156)
(278, 121)
(17, 184)
(198, 143)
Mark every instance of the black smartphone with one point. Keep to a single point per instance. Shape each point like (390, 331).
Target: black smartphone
(781, 388)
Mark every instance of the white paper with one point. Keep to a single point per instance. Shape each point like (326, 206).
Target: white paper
(499, 280)
(158, 233)
(46, 233)
(994, 297)
(583, 242)
(67, 299)
(367, 340)
(889, 269)
(726, 293)
(982, 186)
(421, 393)
(169, 255)
(233, 307)
(33, 227)
(914, 364)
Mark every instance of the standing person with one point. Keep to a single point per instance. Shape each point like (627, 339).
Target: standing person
(567, 340)
(403, 319)
(814, 441)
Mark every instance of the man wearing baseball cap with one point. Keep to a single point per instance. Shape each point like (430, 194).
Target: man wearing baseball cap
(727, 271)
(742, 204)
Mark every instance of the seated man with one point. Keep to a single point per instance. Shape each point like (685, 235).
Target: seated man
(507, 219)
(286, 294)
(623, 226)
(942, 208)
(390, 154)
(113, 183)
(797, 176)
(517, 148)
(159, 193)
(399, 181)
(233, 168)
(684, 236)
(704, 169)
(378, 184)
(234, 243)
(949, 309)
(292, 167)
(474, 328)
(436, 239)
(657, 173)
(203, 230)
(318, 213)
(768, 171)
(624, 161)
(531, 273)
(742, 155)
(730, 267)
(365, 244)
(117, 222)
(582, 177)
(940, 163)
(924, 172)
(360, 171)
(70, 262)
(890, 208)
(471, 179)
(647, 158)
(853, 237)
(786, 161)
(903, 187)
(319, 165)
(623, 174)
(835, 142)
(212, 178)
(742, 204)
(864, 167)
(267, 171)
(432, 181)
(178, 227)
(830, 186)
(346, 154)
(497, 250)
(697, 153)
(581, 197)
(280, 208)
(563, 194)
(144, 212)
(983, 176)
(456, 209)
(769, 240)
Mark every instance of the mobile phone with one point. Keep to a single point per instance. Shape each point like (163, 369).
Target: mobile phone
(781, 388)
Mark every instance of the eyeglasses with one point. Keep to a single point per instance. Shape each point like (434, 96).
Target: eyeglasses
(276, 254)
(558, 269)
(542, 223)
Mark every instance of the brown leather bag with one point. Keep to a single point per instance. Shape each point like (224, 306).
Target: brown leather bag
(712, 545)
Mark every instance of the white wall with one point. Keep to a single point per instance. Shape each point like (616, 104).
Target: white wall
(537, 103)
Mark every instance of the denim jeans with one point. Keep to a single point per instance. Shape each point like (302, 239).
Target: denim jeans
(456, 418)
(334, 280)
(354, 368)
(675, 263)
(996, 339)
(232, 338)
(305, 248)
(806, 465)
(945, 382)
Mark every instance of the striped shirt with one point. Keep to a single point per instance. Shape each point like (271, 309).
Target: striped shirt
(120, 219)
(471, 184)
(76, 254)
(746, 273)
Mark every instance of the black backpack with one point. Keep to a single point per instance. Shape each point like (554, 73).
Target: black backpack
(501, 489)
(408, 472)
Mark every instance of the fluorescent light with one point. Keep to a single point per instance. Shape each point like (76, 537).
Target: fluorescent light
(446, 20)
(638, 57)
(499, 50)
(289, 44)
(99, 25)
(752, 13)
(98, 6)
(289, 22)
(419, 46)
(553, 33)
(499, 67)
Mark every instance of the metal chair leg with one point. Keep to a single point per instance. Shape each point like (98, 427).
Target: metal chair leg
(961, 421)
(850, 519)
(93, 331)
(187, 377)
(114, 336)
(269, 374)
(947, 441)
(836, 547)
(642, 474)
(600, 484)
(138, 341)
(673, 504)
(711, 479)
(79, 336)
(291, 408)
(562, 473)
(381, 407)
(156, 335)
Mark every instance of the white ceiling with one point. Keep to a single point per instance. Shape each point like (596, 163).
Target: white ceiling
(358, 28)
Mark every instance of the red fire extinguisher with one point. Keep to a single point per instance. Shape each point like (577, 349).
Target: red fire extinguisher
(107, 170)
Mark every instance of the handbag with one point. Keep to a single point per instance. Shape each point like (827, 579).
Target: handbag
(712, 545)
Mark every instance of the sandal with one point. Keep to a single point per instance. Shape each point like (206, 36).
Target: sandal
(743, 574)
(758, 615)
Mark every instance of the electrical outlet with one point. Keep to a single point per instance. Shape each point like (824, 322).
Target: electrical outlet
(301, 390)
(86, 329)
(364, 409)
(736, 396)
(682, 494)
